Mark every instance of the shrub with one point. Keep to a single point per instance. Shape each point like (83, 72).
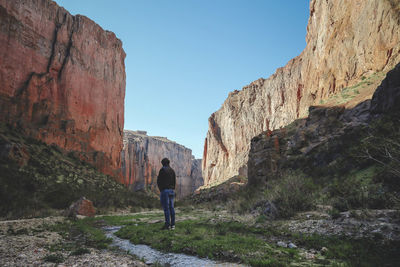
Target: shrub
(80, 251)
(55, 258)
(291, 193)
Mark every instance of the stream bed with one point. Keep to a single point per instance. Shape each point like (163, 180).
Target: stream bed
(152, 256)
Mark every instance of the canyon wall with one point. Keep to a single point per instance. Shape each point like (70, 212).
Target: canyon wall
(62, 80)
(347, 41)
(141, 162)
(331, 141)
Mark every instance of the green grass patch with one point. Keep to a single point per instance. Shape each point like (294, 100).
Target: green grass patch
(348, 93)
(353, 252)
(227, 241)
(237, 242)
(82, 232)
(131, 219)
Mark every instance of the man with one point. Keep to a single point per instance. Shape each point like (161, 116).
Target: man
(166, 184)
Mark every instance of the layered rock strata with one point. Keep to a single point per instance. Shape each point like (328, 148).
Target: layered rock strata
(141, 162)
(62, 80)
(346, 42)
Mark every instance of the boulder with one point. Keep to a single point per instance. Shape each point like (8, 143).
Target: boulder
(82, 207)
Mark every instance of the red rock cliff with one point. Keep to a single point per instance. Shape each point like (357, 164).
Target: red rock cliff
(62, 80)
(347, 41)
(141, 162)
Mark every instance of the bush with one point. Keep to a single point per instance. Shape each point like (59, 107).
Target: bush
(291, 193)
(80, 251)
(55, 258)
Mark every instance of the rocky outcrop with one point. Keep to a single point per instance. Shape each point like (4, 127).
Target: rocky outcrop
(327, 141)
(196, 174)
(347, 41)
(62, 80)
(141, 162)
(387, 96)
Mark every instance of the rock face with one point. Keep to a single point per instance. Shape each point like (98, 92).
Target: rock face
(141, 162)
(347, 41)
(320, 143)
(387, 96)
(196, 174)
(62, 80)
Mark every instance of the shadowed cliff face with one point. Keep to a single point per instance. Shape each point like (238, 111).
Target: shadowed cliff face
(347, 41)
(62, 80)
(331, 140)
(141, 162)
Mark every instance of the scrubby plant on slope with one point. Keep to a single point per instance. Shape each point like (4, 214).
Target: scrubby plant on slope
(36, 178)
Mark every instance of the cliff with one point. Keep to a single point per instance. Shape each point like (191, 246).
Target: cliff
(347, 42)
(348, 155)
(62, 80)
(141, 162)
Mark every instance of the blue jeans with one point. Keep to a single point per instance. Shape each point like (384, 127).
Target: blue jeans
(167, 202)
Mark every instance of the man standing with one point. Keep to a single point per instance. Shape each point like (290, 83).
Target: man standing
(166, 184)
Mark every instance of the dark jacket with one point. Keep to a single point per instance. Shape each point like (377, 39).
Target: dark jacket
(166, 178)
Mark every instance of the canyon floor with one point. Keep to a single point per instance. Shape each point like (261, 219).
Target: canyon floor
(315, 238)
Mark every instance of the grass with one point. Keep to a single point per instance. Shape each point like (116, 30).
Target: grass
(232, 241)
(353, 252)
(55, 258)
(218, 236)
(85, 232)
(348, 93)
(227, 241)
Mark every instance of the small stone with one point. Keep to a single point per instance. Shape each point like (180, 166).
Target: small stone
(309, 256)
(282, 244)
(291, 245)
(324, 250)
(386, 220)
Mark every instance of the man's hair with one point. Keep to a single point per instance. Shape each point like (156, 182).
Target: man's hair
(165, 162)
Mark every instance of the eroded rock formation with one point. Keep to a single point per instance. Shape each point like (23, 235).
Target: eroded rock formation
(141, 162)
(347, 41)
(325, 141)
(62, 80)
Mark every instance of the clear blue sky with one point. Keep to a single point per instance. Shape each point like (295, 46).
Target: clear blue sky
(185, 56)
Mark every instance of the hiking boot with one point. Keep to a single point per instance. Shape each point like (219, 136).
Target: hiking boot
(172, 227)
(165, 227)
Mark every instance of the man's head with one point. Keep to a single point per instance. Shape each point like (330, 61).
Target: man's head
(165, 162)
